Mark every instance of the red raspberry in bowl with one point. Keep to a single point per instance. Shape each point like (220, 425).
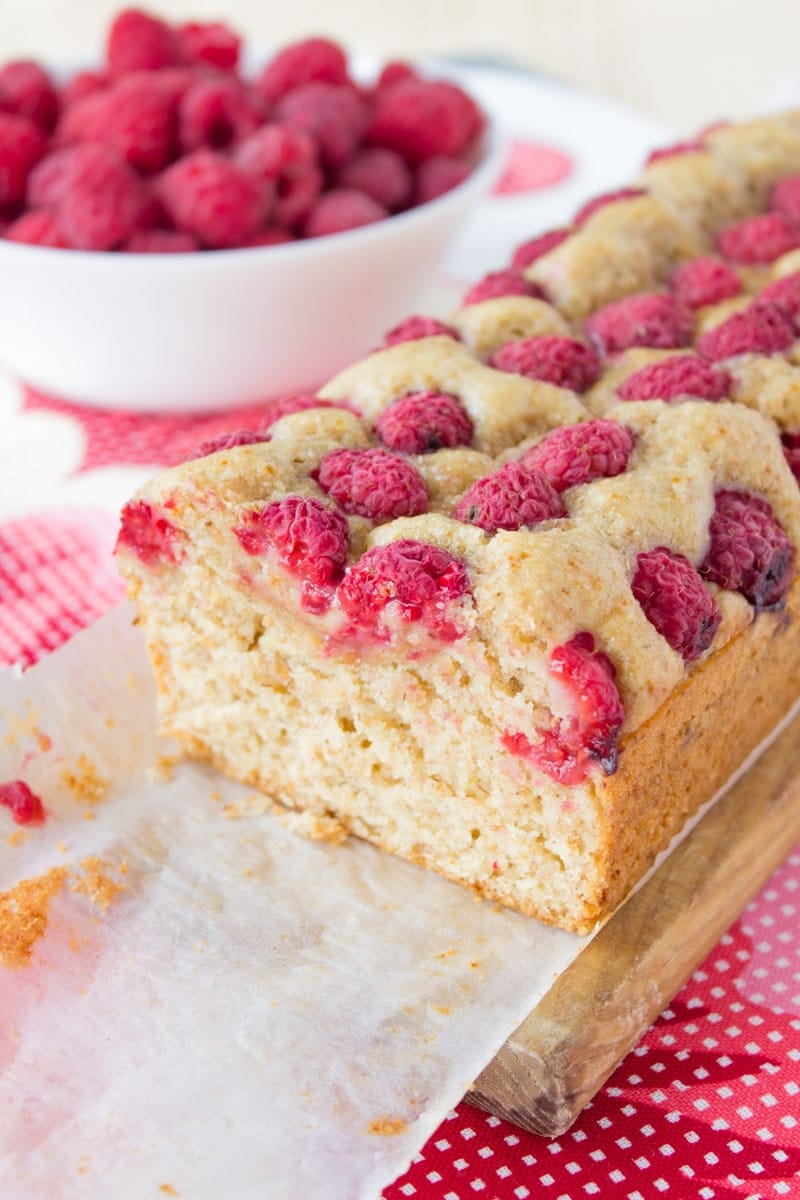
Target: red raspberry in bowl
(791, 450)
(161, 241)
(136, 117)
(422, 422)
(562, 361)
(785, 293)
(27, 90)
(703, 281)
(759, 239)
(210, 43)
(38, 227)
(588, 736)
(420, 118)
(373, 484)
(150, 535)
(310, 61)
(527, 254)
(501, 283)
(283, 161)
(24, 805)
(208, 196)
(216, 114)
(676, 601)
(340, 210)
(381, 174)
(439, 175)
(576, 454)
(413, 328)
(516, 496)
(407, 580)
(685, 375)
(309, 539)
(22, 144)
(646, 319)
(749, 551)
(138, 41)
(336, 117)
(762, 328)
(785, 197)
(597, 202)
(81, 85)
(101, 200)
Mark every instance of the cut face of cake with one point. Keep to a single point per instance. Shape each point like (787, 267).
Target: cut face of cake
(513, 596)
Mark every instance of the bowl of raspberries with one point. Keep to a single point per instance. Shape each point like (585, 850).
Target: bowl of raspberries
(179, 232)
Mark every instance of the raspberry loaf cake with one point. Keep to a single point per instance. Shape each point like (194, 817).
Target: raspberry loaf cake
(516, 594)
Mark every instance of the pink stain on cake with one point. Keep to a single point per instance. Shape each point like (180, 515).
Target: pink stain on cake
(147, 533)
(567, 751)
(531, 166)
(24, 805)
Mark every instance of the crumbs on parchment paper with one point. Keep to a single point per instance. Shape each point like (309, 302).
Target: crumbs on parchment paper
(97, 884)
(163, 767)
(168, 1190)
(24, 913)
(18, 837)
(319, 827)
(387, 1126)
(85, 782)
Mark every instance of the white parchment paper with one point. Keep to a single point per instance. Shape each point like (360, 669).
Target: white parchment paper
(252, 1009)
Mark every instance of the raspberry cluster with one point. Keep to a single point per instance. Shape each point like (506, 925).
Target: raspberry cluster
(168, 147)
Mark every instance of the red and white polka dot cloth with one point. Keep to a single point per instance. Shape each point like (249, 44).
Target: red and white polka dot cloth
(707, 1105)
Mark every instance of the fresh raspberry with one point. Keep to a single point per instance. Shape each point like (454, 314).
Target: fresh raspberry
(161, 241)
(85, 83)
(501, 283)
(336, 117)
(684, 375)
(22, 144)
(575, 454)
(422, 422)
(759, 239)
(379, 173)
(647, 319)
(785, 293)
(136, 117)
(138, 41)
(229, 441)
(785, 197)
(215, 114)
(704, 281)
(417, 327)
(27, 90)
(412, 580)
(673, 151)
(274, 236)
(791, 450)
(749, 551)
(25, 806)
(419, 119)
(342, 209)
(567, 751)
(562, 361)
(310, 540)
(208, 196)
(394, 72)
(597, 202)
(51, 176)
(210, 43)
(527, 254)
(439, 175)
(514, 497)
(310, 61)
(284, 161)
(676, 601)
(38, 227)
(150, 535)
(761, 328)
(102, 200)
(373, 484)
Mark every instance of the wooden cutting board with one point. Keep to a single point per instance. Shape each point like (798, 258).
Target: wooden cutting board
(561, 1055)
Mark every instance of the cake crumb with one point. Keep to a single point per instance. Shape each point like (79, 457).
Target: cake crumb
(444, 1009)
(168, 1190)
(24, 914)
(164, 766)
(447, 953)
(44, 740)
(316, 826)
(85, 782)
(62, 847)
(95, 883)
(231, 812)
(18, 837)
(387, 1126)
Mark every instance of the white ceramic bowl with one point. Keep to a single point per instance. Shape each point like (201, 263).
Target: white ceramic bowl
(201, 331)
